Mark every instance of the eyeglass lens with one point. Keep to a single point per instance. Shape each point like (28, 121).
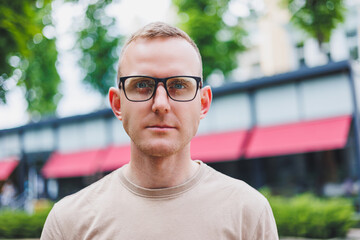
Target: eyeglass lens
(178, 88)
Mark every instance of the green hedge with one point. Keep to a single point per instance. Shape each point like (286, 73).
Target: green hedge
(19, 224)
(309, 216)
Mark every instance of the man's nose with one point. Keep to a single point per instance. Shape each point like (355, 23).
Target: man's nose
(161, 100)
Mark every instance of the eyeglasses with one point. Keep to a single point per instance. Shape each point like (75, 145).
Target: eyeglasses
(142, 88)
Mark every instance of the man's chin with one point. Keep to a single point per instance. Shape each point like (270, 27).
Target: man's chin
(159, 150)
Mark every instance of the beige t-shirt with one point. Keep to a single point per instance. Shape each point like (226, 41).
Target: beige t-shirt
(209, 206)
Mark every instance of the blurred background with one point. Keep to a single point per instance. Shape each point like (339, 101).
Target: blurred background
(285, 77)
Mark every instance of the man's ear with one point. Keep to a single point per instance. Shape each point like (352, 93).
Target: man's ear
(206, 98)
(114, 98)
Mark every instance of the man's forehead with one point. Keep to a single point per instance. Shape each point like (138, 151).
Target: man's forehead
(161, 47)
(169, 49)
(145, 42)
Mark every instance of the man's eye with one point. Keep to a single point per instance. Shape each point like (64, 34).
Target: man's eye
(178, 85)
(142, 84)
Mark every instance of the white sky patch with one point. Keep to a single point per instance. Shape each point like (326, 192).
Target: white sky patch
(133, 14)
(14, 112)
(77, 97)
(239, 8)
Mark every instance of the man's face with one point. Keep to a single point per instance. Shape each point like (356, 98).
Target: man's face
(161, 126)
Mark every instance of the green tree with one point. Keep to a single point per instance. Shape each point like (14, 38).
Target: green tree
(99, 46)
(218, 42)
(28, 57)
(317, 18)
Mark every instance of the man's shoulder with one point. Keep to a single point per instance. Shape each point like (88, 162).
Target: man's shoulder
(74, 214)
(236, 189)
(83, 200)
(234, 197)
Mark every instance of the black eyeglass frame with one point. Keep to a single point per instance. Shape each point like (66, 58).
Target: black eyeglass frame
(198, 80)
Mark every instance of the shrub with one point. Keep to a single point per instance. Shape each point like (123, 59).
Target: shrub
(309, 216)
(19, 224)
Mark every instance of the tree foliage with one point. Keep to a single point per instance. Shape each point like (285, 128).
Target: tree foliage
(317, 18)
(99, 47)
(27, 57)
(218, 42)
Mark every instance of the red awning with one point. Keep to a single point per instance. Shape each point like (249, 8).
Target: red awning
(7, 166)
(218, 147)
(317, 135)
(116, 156)
(62, 165)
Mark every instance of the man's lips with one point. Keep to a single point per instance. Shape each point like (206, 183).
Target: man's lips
(160, 127)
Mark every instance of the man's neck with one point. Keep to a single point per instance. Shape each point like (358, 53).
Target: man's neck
(160, 172)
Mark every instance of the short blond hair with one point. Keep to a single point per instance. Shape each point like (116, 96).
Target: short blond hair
(157, 30)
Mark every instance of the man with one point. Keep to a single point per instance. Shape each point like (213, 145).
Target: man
(162, 193)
